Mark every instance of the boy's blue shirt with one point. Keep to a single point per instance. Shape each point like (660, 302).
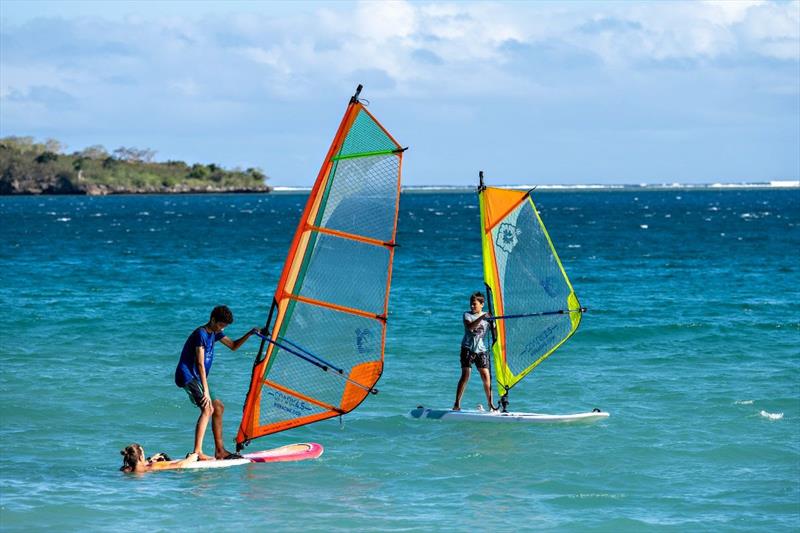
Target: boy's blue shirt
(187, 369)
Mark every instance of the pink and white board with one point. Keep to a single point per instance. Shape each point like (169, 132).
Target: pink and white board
(290, 452)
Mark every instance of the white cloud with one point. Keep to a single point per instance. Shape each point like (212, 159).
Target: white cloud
(420, 45)
(272, 57)
(186, 87)
(385, 21)
(773, 30)
(563, 65)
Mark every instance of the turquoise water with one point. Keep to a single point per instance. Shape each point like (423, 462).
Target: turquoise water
(692, 342)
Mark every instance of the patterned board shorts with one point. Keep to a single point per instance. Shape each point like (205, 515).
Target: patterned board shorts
(195, 391)
(468, 357)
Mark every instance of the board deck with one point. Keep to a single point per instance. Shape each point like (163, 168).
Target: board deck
(290, 452)
(466, 415)
(217, 463)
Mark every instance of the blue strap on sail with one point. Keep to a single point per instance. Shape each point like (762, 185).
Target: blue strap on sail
(544, 313)
(310, 357)
(306, 355)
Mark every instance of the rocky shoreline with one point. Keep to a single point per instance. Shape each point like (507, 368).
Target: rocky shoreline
(64, 184)
(93, 189)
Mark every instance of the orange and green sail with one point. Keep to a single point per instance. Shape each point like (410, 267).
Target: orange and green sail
(322, 349)
(532, 301)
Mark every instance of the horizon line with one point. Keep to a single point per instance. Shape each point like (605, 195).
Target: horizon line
(771, 184)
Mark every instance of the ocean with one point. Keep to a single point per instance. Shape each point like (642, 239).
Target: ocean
(691, 342)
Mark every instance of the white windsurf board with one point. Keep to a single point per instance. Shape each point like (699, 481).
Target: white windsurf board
(467, 415)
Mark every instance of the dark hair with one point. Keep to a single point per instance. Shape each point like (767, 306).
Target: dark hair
(477, 296)
(221, 313)
(130, 456)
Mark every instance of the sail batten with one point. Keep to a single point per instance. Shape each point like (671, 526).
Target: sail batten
(335, 307)
(351, 236)
(332, 296)
(530, 295)
(363, 154)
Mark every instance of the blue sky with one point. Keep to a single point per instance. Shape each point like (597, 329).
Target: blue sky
(530, 92)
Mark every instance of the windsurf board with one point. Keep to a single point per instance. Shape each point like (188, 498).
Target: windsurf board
(498, 417)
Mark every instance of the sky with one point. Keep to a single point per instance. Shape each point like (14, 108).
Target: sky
(530, 92)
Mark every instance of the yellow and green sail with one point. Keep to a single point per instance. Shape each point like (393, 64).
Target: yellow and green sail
(530, 295)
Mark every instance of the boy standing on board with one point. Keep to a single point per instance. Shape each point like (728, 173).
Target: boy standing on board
(191, 375)
(473, 350)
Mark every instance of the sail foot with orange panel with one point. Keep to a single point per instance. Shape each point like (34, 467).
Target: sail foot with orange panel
(322, 348)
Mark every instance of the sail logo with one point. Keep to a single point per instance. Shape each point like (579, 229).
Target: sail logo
(507, 237)
(541, 343)
(550, 285)
(290, 404)
(364, 341)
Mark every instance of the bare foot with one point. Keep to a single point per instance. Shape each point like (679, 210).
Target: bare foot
(201, 456)
(456, 408)
(225, 454)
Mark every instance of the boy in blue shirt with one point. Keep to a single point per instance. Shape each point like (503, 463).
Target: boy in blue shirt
(473, 350)
(191, 375)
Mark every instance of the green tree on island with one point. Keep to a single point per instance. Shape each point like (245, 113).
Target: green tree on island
(28, 167)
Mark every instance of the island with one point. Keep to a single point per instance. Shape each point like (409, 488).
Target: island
(29, 167)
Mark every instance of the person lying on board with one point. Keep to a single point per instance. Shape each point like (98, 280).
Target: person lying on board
(133, 460)
(473, 350)
(191, 375)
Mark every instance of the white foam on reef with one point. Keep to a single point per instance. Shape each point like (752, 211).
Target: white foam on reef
(743, 402)
(291, 189)
(757, 185)
(771, 416)
(784, 184)
(601, 187)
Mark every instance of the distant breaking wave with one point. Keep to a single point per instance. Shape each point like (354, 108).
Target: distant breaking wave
(771, 416)
(776, 184)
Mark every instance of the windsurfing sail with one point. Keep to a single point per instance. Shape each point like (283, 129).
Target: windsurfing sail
(322, 348)
(531, 299)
